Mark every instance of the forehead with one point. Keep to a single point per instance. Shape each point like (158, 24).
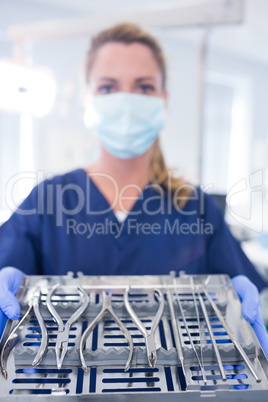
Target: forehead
(120, 58)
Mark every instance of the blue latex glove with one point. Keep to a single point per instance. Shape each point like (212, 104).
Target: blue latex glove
(251, 308)
(10, 280)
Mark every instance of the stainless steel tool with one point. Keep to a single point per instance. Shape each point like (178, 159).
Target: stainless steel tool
(212, 338)
(177, 298)
(106, 308)
(174, 323)
(33, 303)
(148, 337)
(63, 330)
(232, 336)
(199, 327)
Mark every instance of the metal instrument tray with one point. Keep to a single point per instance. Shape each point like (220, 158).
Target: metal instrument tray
(106, 349)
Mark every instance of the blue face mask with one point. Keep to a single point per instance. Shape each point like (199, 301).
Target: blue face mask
(126, 124)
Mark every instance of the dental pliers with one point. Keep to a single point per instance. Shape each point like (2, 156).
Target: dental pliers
(106, 308)
(63, 330)
(33, 303)
(148, 337)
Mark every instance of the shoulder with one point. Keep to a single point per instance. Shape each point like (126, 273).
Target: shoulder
(203, 205)
(61, 182)
(54, 184)
(73, 177)
(201, 200)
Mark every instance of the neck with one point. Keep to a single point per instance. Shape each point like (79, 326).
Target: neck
(124, 171)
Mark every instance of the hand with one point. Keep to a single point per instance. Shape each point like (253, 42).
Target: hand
(10, 280)
(251, 308)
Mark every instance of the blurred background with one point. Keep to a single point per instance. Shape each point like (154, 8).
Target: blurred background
(217, 131)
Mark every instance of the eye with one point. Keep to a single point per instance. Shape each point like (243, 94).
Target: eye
(147, 89)
(106, 89)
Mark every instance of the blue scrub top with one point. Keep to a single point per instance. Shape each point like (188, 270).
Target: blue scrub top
(66, 224)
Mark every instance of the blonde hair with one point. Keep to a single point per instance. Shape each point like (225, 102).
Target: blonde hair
(129, 33)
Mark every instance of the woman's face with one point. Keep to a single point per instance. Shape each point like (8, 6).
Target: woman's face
(131, 68)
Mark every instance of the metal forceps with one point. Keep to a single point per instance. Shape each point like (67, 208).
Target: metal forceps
(231, 335)
(106, 308)
(148, 337)
(33, 303)
(63, 330)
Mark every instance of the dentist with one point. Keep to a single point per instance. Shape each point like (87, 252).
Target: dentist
(145, 220)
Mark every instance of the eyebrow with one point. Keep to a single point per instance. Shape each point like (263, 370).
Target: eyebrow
(145, 79)
(136, 80)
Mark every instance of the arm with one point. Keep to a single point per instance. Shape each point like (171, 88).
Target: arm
(224, 253)
(251, 308)
(226, 256)
(10, 280)
(20, 240)
(20, 246)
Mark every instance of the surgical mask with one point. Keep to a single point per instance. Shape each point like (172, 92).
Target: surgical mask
(126, 124)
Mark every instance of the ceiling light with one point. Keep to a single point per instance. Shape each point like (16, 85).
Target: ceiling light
(26, 89)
